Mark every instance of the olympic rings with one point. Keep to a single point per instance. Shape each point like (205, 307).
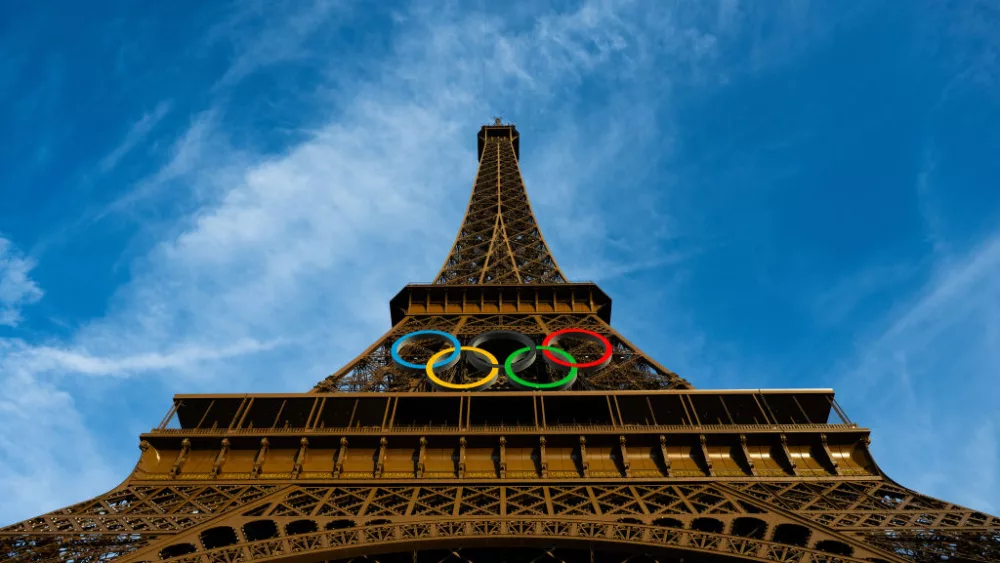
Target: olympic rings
(598, 363)
(450, 361)
(479, 385)
(555, 385)
(521, 339)
(517, 361)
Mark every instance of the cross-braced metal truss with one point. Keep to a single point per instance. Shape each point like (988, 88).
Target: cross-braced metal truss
(121, 521)
(499, 241)
(811, 496)
(843, 520)
(374, 369)
(542, 554)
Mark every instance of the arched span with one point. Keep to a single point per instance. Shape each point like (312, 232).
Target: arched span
(494, 533)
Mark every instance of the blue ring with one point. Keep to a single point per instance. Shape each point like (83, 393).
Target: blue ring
(441, 363)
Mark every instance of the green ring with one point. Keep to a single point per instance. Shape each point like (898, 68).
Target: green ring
(570, 376)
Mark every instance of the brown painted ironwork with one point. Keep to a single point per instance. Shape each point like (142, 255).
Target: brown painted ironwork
(374, 370)
(630, 465)
(499, 241)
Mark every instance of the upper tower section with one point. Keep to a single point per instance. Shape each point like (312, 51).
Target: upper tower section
(499, 241)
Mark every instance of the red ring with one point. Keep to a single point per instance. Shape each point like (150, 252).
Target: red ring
(564, 363)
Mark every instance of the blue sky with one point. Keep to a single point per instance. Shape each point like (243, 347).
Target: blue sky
(221, 197)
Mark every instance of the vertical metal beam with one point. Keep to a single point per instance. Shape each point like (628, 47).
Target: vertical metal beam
(318, 423)
(503, 457)
(246, 411)
(312, 412)
(725, 408)
(354, 410)
(281, 409)
(611, 411)
(205, 414)
(338, 466)
(801, 410)
(385, 412)
(691, 414)
(665, 456)
(170, 413)
(238, 414)
(652, 413)
(767, 406)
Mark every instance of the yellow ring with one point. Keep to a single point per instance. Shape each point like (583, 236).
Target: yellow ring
(461, 387)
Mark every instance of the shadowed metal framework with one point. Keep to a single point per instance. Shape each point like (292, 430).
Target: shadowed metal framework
(631, 464)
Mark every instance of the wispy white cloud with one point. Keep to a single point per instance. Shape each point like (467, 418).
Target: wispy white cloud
(48, 359)
(47, 437)
(281, 39)
(961, 289)
(136, 134)
(17, 289)
(927, 200)
(190, 151)
(966, 32)
(844, 297)
(915, 376)
(601, 270)
(195, 149)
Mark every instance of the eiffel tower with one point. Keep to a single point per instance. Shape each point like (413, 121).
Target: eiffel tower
(522, 428)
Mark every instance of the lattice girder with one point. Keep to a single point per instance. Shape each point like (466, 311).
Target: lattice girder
(83, 548)
(708, 515)
(374, 369)
(144, 508)
(372, 541)
(862, 505)
(499, 241)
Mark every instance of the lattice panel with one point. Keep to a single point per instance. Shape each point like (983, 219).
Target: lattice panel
(974, 536)
(374, 370)
(936, 546)
(379, 540)
(479, 501)
(499, 241)
(514, 555)
(78, 549)
(342, 502)
(866, 504)
(889, 516)
(435, 501)
(300, 502)
(143, 509)
(554, 500)
(526, 501)
(389, 501)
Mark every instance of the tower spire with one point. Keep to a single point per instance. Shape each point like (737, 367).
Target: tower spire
(499, 241)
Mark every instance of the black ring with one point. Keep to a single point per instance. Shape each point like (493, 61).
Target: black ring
(521, 364)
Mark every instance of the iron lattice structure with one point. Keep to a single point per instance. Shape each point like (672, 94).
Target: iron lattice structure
(499, 241)
(628, 464)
